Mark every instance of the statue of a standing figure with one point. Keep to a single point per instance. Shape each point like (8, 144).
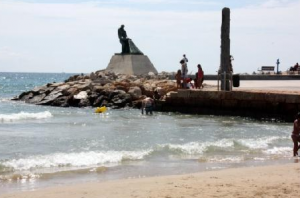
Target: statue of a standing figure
(128, 47)
(123, 40)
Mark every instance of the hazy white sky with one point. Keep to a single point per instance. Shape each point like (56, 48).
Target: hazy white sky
(81, 36)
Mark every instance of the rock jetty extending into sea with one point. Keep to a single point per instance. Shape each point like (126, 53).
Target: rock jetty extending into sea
(100, 88)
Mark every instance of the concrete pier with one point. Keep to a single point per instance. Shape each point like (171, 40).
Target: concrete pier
(262, 105)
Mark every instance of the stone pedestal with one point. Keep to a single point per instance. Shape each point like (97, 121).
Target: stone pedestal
(131, 64)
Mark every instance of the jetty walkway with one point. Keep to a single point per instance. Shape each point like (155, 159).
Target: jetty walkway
(264, 100)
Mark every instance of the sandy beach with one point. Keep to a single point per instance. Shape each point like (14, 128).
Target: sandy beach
(267, 181)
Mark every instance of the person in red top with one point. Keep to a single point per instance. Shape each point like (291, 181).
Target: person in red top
(295, 134)
(200, 76)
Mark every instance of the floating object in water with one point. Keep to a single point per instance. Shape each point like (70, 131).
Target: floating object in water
(100, 109)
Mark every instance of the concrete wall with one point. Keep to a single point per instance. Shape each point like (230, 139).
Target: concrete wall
(252, 77)
(259, 77)
(258, 105)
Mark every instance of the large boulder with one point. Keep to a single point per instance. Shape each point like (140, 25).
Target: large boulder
(147, 89)
(93, 76)
(99, 88)
(121, 100)
(102, 81)
(62, 87)
(135, 92)
(61, 102)
(70, 92)
(81, 95)
(36, 99)
(84, 103)
(99, 101)
(82, 86)
(50, 98)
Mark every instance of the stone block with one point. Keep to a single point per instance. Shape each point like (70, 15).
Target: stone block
(292, 99)
(195, 94)
(240, 95)
(131, 65)
(290, 108)
(184, 93)
(215, 103)
(211, 95)
(251, 96)
(172, 94)
(229, 104)
(258, 105)
(274, 97)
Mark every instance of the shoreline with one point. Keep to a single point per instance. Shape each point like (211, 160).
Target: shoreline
(263, 181)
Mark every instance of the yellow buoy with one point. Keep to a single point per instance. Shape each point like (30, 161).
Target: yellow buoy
(100, 109)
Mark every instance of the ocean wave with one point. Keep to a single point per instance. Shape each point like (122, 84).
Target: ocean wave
(83, 159)
(260, 143)
(279, 151)
(24, 116)
(196, 148)
(199, 148)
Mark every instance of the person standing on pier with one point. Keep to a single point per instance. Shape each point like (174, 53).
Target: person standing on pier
(200, 76)
(185, 59)
(184, 72)
(296, 134)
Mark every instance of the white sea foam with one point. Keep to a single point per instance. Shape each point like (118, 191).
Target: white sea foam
(233, 159)
(196, 148)
(24, 116)
(279, 151)
(5, 99)
(83, 159)
(260, 143)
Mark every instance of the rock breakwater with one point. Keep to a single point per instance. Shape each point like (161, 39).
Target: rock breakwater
(100, 88)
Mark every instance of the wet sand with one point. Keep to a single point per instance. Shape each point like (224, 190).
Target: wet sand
(268, 181)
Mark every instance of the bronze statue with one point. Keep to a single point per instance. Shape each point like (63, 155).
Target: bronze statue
(123, 40)
(128, 47)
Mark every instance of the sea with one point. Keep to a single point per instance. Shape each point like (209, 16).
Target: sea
(44, 146)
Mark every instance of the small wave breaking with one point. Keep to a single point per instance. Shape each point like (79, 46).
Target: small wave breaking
(24, 116)
(83, 159)
(198, 148)
(279, 151)
(260, 143)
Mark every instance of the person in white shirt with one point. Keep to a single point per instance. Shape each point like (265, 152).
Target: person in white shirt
(185, 59)
(184, 72)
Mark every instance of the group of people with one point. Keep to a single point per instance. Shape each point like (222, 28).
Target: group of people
(182, 79)
(295, 67)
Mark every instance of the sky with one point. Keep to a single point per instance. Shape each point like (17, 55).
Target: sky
(76, 36)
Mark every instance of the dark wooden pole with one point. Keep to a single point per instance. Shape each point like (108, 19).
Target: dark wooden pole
(225, 49)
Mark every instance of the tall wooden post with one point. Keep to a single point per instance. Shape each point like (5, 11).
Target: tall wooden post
(225, 50)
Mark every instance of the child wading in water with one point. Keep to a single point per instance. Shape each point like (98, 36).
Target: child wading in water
(295, 134)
